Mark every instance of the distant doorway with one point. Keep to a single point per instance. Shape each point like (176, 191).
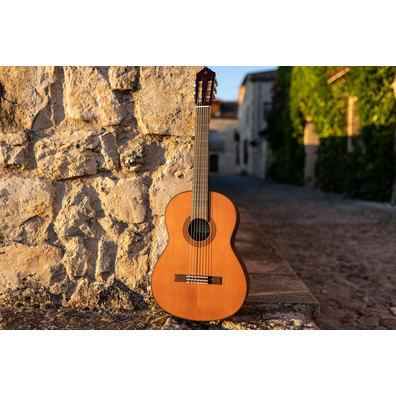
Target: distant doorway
(214, 163)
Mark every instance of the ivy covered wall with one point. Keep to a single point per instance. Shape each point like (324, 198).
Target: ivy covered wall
(285, 140)
(302, 94)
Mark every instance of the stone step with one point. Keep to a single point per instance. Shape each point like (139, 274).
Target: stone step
(274, 286)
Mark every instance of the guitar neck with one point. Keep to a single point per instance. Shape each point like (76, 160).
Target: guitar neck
(200, 195)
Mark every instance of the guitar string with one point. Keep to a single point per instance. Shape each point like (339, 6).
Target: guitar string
(200, 193)
(201, 208)
(197, 191)
(198, 143)
(202, 215)
(205, 190)
(208, 194)
(205, 187)
(190, 261)
(200, 190)
(206, 183)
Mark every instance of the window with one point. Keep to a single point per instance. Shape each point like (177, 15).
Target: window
(237, 154)
(266, 109)
(213, 139)
(214, 163)
(245, 152)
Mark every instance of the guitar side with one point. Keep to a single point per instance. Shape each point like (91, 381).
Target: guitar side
(217, 258)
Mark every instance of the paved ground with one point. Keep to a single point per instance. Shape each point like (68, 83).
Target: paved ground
(344, 250)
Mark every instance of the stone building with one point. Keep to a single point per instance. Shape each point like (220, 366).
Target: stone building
(254, 104)
(223, 156)
(89, 158)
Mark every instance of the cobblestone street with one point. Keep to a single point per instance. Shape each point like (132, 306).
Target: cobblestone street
(343, 250)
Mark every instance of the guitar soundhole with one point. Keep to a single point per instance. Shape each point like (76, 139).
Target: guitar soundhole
(199, 230)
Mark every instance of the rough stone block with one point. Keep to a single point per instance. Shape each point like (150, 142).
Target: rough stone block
(105, 258)
(76, 218)
(123, 199)
(124, 78)
(24, 94)
(21, 202)
(132, 157)
(88, 96)
(13, 147)
(109, 150)
(78, 153)
(166, 101)
(41, 263)
(132, 262)
(76, 257)
(112, 227)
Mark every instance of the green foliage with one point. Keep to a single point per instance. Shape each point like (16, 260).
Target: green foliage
(285, 143)
(366, 173)
(332, 164)
(372, 165)
(376, 105)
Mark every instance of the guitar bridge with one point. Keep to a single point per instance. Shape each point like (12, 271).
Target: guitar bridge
(201, 279)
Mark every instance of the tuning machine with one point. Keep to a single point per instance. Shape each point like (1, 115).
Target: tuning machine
(216, 83)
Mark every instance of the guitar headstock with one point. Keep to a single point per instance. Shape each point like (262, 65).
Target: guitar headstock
(205, 87)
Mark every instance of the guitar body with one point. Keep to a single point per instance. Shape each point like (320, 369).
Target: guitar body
(200, 280)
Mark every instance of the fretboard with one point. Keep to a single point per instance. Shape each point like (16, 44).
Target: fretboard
(200, 196)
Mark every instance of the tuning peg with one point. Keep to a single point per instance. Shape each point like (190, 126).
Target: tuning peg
(216, 83)
(215, 91)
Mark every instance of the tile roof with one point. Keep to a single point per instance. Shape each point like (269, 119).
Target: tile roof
(261, 76)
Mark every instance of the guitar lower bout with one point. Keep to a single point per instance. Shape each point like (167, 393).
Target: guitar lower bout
(200, 275)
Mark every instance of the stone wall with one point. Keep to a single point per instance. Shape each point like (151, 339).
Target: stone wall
(89, 158)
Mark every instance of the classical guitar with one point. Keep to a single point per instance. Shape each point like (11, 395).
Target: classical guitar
(200, 275)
